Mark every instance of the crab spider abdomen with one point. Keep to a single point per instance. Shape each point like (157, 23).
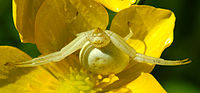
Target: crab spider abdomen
(105, 60)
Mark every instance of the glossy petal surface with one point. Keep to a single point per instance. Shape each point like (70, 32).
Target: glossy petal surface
(58, 21)
(24, 13)
(145, 83)
(116, 5)
(152, 27)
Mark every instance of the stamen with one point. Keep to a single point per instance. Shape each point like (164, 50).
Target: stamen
(78, 81)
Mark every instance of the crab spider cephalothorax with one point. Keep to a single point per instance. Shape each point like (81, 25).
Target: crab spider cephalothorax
(102, 52)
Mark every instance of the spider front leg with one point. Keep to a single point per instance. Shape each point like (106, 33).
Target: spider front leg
(73, 46)
(119, 42)
(159, 61)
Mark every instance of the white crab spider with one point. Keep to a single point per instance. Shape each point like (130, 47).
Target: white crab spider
(102, 52)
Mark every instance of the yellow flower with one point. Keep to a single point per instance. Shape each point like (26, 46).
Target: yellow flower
(117, 5)
(51, 24)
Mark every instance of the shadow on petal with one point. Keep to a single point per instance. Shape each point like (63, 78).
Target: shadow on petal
(14, 75)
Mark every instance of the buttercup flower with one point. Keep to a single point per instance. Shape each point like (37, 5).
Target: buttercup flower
(52, 24)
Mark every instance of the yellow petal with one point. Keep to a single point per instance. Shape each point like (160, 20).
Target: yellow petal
(8, 56)
(116, 5)
(22, 80)
(151, 26)
(145, 83)
(24, 12)
(58, 21)
(38, 80)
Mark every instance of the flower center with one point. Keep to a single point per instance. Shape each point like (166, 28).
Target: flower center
(77, 82)
(81, 81)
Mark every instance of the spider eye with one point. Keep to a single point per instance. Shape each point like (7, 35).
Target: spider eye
(98, 38)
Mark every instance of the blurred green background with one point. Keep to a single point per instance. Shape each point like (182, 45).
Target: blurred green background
(178, 79)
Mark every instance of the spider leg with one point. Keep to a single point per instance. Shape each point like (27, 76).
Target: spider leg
(131, 33)
(76, 44)
(127, 37)
(159, 61)
(121, 44)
